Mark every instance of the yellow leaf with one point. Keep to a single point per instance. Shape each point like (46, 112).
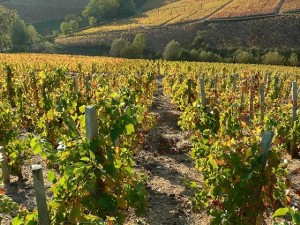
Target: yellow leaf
(2, 191)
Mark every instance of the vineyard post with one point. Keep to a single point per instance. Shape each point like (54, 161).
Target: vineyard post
(75, 83)
(216, 82)
(180, 78)
(202, 88)
(242, 100)
(117, 142)
(39, 190)
(5, 171)
(251, 97)
(294, 98)
(267, 81)
(189, 90)
(91, 123)
(262, 102)
(216, 87)
(235, 81)
(266, 142)
(87, 84)
(224, 81)
(158, 65)
(280, 84)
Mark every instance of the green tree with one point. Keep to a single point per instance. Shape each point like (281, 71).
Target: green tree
(79, 19)
(64, 27)
(194, 54)
(139, 43)
(73, 25)
(273, 58)
(130, 51)
(293, 60)
(199, 41)
(118, 47)
(7, 19)
(126, 8)
(70, 17)
(185, 55)
(171, 51)
(92, 21)
(19, 33)
(207, 56)
(241, 56)
(33, 35)
(13, 31)
(101, 9)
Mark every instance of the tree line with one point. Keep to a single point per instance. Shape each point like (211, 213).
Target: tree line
(102, 10)
(14, 34)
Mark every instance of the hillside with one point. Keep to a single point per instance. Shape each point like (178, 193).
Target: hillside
(39, 10)
(182, 19)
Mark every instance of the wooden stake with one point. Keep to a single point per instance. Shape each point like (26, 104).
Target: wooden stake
(262, 102)
(202, 88)
(266, 142)
(75, 83)
(189, 90)
(39, 190)
(5, 170)
(251, 97)
(87, 84)
(216, 82)
(295, 99)
(235, 81)
(91, 123)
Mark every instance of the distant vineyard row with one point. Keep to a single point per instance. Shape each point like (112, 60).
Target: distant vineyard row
(179, 11)
(187, 10)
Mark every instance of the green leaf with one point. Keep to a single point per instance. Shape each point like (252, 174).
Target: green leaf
(82, 109)
(249, 176)
(129, 128)
(118, 164)
(296, 218)
(139, 118)
(43, 74)
(37, 148)
(85, 159)
(51, 176)
(280, 212)
(92, 155)
(75, 213)
(17, 221)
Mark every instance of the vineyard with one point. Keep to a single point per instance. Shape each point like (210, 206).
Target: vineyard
(290, 6)
(178, 11)
(86, 120)
(159, 23)
(239, 8)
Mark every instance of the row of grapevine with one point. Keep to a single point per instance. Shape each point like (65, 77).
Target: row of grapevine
(290, 6)
(239, 8)
(244, 123)
(178, 11)
(45, 110)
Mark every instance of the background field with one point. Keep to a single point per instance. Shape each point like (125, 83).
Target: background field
(180, 20)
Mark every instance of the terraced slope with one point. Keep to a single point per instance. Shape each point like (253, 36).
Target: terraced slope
(180, 20)
(175, 12)
(240, 8)
(290, 6)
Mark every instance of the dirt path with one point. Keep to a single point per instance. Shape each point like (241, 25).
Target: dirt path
(165, 159)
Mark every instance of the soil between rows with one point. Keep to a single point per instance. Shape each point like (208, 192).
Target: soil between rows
(165, 159)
